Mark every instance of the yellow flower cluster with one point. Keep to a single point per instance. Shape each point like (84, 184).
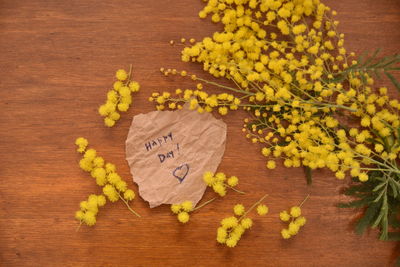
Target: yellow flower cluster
(89, 209)
(106, 176)
(182, 210)
(119, 97)
(219, 182)
(297, 81)
(296, 221)
(197, 99)
(232, 228)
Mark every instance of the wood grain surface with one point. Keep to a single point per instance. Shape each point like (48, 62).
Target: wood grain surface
(57, 60)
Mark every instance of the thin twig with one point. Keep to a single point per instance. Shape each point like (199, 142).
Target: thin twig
(252, 207)
(238, 191)
(79, 226)
(304, 200)
(126, 203)
(205, 203)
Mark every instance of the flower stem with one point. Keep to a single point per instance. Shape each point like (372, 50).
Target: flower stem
(252, 207)
(79, 226)
(225, 87)
(129, 207)
(129, 74)
(238, 191)
(203, 204)
(304, 200)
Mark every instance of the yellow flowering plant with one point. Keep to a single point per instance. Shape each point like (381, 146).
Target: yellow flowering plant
(106, 176)
(219, 182)
(303, 91)
(232, 228)
(183, 209)
(119, 98)
(295, 220)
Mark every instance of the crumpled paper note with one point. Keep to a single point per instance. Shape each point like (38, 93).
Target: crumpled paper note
(168, 152)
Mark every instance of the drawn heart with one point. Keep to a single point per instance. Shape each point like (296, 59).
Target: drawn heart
(181, 172)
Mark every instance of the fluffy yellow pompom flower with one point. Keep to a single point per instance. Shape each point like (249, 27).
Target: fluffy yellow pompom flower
(129, 195)
(183, 217)
(176, 208)
(187, 206)
(271, 164)
(90, 154)
(285, 233)
(293, 228)
(89, 218)
(98, 162)
(220, 177)
(219, 188)
(363, 177)
(86, 164)
(295, 211)
(123, 107)
(121, 75)
(134, 86)
(231, 242)
(82, 143)
(238, 209)
(208, 178)
(109, 122)
(221, 235)
(99, 173)
(111, 193)
(229, 222)
(284, 216)
(84, 205)
(101, 200)
(246, 223)
(113, 178)
(121, 186)
(223, 110)
(117, 85)
(110, 168)
(233, 181)
(262, 210)
(300, 221)
(79, 215)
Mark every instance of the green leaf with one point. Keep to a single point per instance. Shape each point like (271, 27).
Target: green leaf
(354, 189)
(367, 218)
(379, 186)
(373, 57)
(361, 58)
(398, 135)
(389, 61)
(357, 203)
(374, 141)
(308, 173)
(384, 228)
(379, 196)
(398, 261)
(393, 80)
(395, 187)
(384, 222)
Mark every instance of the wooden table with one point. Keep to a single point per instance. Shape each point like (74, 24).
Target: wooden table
(57, 61)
